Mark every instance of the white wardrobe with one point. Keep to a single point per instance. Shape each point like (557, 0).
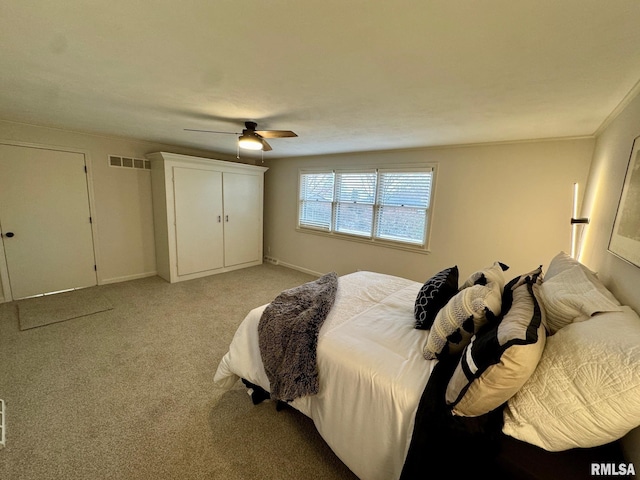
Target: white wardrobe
(207, 215)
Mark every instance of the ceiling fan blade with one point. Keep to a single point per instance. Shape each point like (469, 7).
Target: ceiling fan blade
(210, 131)
(265, 146)
(276, 133)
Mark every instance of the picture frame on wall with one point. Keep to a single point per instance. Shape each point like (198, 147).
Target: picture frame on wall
(625, 235)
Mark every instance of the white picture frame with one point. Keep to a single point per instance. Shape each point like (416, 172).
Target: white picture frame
(625, 235)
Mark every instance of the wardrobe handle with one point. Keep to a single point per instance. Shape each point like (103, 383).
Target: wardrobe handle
(219, 218)
(226, 218)
(9, 234)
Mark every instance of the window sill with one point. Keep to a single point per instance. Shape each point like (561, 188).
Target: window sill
(421, 249)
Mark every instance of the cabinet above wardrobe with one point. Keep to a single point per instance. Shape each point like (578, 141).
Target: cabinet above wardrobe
(208, 215)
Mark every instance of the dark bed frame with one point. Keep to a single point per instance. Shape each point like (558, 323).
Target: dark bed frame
(475, 447)
(522, 461)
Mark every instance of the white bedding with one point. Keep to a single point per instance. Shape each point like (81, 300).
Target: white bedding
(371, 370)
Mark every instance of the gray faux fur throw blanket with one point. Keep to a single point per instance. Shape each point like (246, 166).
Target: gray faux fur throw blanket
(288, 337)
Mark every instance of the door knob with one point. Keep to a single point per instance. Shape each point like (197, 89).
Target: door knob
(9, 234)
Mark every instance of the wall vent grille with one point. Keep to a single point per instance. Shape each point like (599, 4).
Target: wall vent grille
(129, 162)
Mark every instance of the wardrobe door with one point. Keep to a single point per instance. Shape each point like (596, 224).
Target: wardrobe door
(242, 218)
(198, 220)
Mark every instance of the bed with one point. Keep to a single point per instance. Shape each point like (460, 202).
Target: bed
(509, 352)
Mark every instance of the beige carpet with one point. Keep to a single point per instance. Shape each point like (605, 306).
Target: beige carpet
(48, 309)
(128, 393)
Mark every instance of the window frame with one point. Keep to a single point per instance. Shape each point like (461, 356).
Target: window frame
(337, 201)
(310, 226)
(372, 239)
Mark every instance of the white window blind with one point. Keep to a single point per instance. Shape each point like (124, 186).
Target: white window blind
(355, 198)
(387, 205)
(316, 199)
(403, 203)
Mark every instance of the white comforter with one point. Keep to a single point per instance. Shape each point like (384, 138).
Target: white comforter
(371, 370)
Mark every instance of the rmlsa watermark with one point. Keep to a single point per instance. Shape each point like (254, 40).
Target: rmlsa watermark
(609, 469)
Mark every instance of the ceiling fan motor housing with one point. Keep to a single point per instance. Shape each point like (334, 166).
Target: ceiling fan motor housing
(253, 139)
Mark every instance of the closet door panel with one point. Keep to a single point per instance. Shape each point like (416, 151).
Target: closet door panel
(243, 218)
(198, 220)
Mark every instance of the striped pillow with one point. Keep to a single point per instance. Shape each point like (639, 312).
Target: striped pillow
(500, 357)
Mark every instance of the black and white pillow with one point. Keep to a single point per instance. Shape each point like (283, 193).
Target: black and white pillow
(486, 275)
(534, 277)
(434, 295)
(477, 302)
(501, 357)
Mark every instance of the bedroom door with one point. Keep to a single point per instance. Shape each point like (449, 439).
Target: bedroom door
(45, 220)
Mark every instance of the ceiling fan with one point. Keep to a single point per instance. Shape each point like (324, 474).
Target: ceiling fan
(253, 139)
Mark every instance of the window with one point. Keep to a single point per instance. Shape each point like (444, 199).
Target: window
(316, 198)
(377, 205)
(355, 199)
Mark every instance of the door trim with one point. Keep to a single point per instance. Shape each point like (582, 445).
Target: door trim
(4, 271)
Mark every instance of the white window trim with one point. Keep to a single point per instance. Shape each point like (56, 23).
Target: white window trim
(299, 200)
(372, 240)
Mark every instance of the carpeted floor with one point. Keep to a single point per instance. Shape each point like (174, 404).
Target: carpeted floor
(48, 309)
(128, 393)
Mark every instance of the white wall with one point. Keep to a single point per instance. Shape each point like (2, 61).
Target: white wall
(489, 202)
(508, 202)
(610, 160)
(122, 197)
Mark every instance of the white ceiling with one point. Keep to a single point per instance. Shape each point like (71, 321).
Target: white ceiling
(345, 75)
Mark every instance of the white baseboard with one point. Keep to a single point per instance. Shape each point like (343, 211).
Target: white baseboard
(126, 278)
(296, 267)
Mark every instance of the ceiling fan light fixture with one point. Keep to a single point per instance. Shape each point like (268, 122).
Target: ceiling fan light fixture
(250, 142)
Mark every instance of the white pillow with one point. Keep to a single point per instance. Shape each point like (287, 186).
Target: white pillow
(585, 391)
(562, 262)
(571, 296)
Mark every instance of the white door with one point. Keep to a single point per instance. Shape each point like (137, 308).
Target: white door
(45, 220)
(242, 214)
(199, 223)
